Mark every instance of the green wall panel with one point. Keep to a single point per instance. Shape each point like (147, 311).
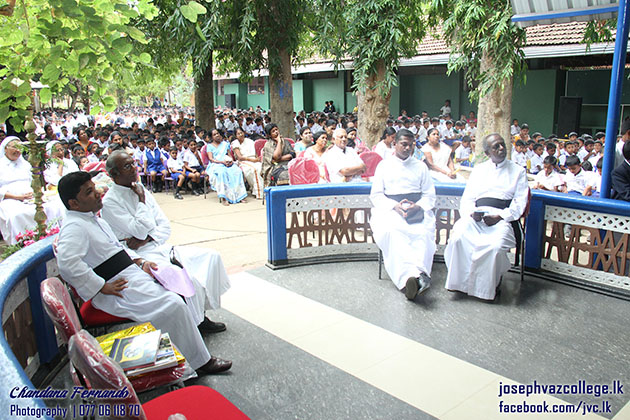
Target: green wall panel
(534, 102)
(351, 101)
(326, 90)
(428, 92)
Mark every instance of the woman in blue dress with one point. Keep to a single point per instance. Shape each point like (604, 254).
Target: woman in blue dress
(225, 177)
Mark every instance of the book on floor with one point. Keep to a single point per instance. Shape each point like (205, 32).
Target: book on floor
(137, 351)
(165, 358)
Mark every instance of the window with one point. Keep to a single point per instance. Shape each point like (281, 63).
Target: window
(221, 86)
(256, 86)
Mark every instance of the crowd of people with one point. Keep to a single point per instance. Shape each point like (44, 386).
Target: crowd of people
(112, 259)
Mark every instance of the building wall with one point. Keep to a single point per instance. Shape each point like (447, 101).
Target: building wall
(326, 90)
(535, 102)
(427, 92)
(259, 99)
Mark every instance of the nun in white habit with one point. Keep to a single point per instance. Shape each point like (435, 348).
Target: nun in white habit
(17, 212)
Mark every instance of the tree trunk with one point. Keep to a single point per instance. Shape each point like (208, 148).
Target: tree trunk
(204, 98)
(495, 111)
(281, 95)
(373, 108)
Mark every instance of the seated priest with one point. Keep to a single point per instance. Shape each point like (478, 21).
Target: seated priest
(493, 201)
(117, 279)
(343, 163)
(138, 221)
(403, 223)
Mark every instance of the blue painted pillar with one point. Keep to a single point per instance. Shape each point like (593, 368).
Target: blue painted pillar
(534, 232)
(43, 326)
(614, 98)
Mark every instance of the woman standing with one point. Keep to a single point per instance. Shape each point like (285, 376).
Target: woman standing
(438, 158)
(316, 152)
(251, 165)
(16, 211)
(225, 177)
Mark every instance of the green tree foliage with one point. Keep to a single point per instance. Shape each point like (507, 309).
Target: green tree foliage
(474, 28)
(371, 33)
(62, 40)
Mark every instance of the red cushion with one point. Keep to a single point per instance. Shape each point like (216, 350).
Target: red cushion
(195, 402)
(94, 317)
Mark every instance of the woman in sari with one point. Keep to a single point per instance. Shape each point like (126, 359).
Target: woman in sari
(276, 156)
(438, 158)
(225, 177)
(17, 211)
(316, 152)
(251, 165)
(306, 140)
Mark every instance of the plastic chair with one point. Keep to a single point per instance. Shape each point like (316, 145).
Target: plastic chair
(60, 308)
(371, 160)
(204, 157)
(303, 171)
(520, 245)
(259, 145)
(194, 402)
(290, 141)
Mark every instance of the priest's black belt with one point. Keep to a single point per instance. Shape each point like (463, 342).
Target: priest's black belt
(113, 265)
(516, 227)
(413, 197)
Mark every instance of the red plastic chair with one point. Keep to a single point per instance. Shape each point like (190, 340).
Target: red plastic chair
(194, 402)
(94, 166)
(258, 146)
(60, 308)
(290, 141)
(303, 171)
(204, 157)
(371, 160)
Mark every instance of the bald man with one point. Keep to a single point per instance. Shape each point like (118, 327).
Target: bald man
(495, 197)
(343, 163)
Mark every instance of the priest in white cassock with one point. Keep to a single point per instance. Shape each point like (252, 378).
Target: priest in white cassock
(402, 222)
(96, 264)
(136, 219)
(494, 199)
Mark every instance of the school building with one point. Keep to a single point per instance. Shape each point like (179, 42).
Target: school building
(559, 65)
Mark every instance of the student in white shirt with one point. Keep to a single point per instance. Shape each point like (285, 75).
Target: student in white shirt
(577, 180)
(518, 155)
(548, 179)
(463, 152)
(536, 161)
(176, 168)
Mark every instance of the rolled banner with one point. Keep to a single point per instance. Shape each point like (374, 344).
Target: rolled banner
(174, 279)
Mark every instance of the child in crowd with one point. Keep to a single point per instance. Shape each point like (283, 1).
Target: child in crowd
(577, 181)
(463, 152)
(536, 161)
(154, 164)
(548, 179)
(518, 156)
(194, 170)
(176, 168)
(596, 154)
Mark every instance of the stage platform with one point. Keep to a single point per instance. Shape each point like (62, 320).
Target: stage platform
(332, 341)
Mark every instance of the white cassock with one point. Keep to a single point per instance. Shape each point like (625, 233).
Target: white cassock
(337, 159)
(51, 174)
(16, 216)
(85, 242)
(407, 248)
(128, 217)
(476, 254)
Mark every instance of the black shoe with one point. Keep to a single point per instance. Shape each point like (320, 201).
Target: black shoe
(178, 196)
(200, 191)
(215, 365)
(211, 327)
(195, 193)
(153, 189)
(412, 287)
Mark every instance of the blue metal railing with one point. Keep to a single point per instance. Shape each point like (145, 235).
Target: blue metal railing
(277, 196)
(29, 263)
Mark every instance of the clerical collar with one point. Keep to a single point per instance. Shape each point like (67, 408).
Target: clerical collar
(500, 164)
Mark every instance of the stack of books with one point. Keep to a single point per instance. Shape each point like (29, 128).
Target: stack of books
(144, 353)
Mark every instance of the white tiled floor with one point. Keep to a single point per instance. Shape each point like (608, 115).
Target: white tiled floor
(432, 381)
